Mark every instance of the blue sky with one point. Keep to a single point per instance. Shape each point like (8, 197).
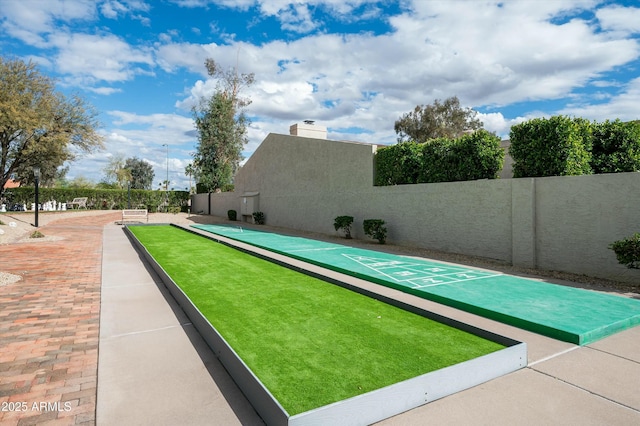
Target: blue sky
(354, 66)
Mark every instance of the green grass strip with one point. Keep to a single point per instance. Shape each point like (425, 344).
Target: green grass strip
(311, 343)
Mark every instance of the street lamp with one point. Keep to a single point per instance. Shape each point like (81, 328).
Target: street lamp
(166, 187)
(36, 174)
(166, 183)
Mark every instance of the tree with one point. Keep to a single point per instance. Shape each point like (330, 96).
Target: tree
(222, 128)
(142, 173)
(440, 120)
(39, 126)
(116, 174)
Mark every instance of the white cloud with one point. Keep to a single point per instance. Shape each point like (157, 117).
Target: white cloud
(619, 20)
(83, 59)
(172, 56)
(437, 50)
(111, 9)
(103, 90)
(37, 16)
(95, 58)
(623, 106)
(497, 123)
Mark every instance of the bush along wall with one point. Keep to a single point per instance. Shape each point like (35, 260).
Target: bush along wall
(473, 156)
(398, 164)
(560, 146)
(375, 229)
(627, 251)
(344, 223)
(556, 146)
(102, 199)
(616, 147)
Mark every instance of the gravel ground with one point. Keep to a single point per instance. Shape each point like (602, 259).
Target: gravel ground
(16, 228)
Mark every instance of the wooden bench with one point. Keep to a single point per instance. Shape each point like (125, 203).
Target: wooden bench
(79, 202)
(135, 214)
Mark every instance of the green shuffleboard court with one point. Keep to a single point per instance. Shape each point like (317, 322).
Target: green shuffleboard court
(311, 343)
(565, 313)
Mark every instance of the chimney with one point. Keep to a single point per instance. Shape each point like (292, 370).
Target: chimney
(308, 129)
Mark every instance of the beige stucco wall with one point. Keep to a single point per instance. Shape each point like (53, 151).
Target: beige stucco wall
(557, 223)
(577, 217)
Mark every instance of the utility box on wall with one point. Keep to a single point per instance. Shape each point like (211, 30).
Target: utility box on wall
(249, 203)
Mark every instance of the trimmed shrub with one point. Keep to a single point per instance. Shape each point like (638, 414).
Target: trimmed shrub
(102, 199)
(627, 251)
(437, 159)
(232, 215)
(375, 229)
(473, 156)
(258, 218)
(398, 164)
(557, 146)
(344, 223)
(477, 155)
(616, 147)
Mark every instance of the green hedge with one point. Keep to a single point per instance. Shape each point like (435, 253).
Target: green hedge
(616, 147)
(473, 156)
(560, 146)
(101, 199)
(398, 164)
(557, 146)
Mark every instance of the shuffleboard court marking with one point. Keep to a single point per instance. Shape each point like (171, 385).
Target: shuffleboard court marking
(415, 274)
(316, 249)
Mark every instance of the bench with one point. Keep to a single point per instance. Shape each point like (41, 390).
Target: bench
(79, 202)
(135, 214)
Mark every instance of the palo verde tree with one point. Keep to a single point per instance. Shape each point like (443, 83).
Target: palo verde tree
(39, 126)
(440, 120)
(222, 128)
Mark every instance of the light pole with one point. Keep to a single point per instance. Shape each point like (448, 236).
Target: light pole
(36, 174)
(166, 185)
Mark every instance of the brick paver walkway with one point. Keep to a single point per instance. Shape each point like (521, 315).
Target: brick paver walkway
(49, 325)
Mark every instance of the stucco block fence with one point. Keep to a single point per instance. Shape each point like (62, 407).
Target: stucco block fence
(554, 223)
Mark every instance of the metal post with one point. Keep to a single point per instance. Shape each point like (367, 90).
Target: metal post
(166, 185)
(36, 174)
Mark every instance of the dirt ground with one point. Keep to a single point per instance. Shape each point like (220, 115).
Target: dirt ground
(18, 227)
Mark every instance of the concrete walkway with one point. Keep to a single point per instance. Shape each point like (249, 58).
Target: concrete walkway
(564, 383)
(154, 369)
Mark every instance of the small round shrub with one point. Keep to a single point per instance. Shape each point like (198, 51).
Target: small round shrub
(344, 223)
(375, 229)
(258, 218)
(627, 251)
